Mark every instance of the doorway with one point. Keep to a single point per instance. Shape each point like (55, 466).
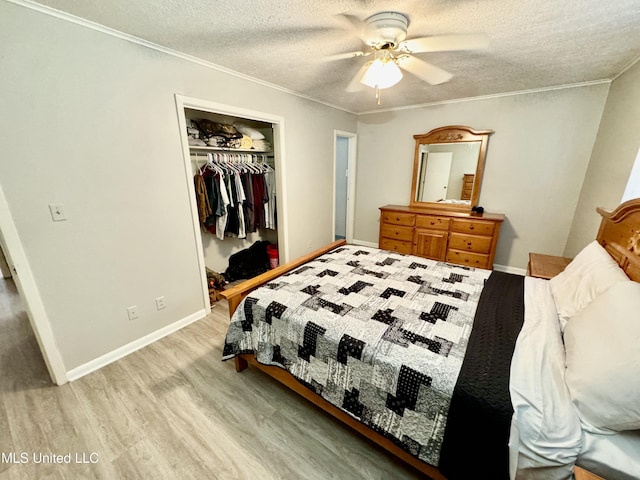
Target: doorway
(344, 176)
(435, 181)
(27, 290)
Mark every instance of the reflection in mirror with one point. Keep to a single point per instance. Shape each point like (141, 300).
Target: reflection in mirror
(448, 166)
(447, 171)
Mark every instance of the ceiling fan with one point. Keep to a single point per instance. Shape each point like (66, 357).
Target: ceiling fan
(385, 35)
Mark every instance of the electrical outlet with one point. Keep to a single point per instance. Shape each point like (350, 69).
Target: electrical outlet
(132, 311)
(57, 212)
(160, 303)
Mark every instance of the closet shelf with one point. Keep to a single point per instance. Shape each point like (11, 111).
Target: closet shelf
(228, 150)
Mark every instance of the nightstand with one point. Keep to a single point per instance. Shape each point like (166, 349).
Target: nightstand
(581, 474)
(546, 266)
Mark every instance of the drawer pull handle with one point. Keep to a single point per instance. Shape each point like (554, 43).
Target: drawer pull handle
(471, 227)
(397, 219)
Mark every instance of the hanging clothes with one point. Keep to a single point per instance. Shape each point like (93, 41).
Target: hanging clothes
(235, 194)
(221, 224)
(248, 203)
(214, 196)
(202, 198)
(232, 209)
(242, 230)
(270, 205)
(259, 198)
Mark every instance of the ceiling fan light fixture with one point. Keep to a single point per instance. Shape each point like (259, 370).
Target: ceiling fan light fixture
(385, 27)
(383, 73)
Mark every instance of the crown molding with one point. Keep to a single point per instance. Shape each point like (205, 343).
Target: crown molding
(487, 97)
(154, 46)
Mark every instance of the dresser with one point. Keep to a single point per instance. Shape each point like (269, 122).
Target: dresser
(467, 186)
(451, 236)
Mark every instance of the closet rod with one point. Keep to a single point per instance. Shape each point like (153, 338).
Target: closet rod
(196, 157)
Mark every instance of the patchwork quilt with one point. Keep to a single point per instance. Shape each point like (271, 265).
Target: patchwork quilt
(378, 334)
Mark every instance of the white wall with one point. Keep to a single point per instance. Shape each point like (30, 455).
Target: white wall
(89, 120)
(612, 159)
(536, 162)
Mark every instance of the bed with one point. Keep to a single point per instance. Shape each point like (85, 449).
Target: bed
(437, 362)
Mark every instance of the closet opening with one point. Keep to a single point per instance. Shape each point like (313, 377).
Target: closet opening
(234, 164)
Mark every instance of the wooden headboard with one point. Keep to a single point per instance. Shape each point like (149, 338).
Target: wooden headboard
(619, 234)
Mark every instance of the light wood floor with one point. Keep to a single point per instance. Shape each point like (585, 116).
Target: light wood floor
(171, 410)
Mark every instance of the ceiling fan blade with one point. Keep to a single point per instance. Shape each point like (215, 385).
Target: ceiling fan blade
(423, 70)
(445, 43)
(354, 84)
(344, 56)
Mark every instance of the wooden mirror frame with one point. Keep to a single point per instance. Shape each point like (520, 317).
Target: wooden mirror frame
(451, 134)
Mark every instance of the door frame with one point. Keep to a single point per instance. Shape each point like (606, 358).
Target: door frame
(277, 123)
(351, 183)
(29, 294)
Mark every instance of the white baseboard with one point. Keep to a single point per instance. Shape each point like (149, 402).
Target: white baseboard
(363, 243)
(125, 350)
(508, 269)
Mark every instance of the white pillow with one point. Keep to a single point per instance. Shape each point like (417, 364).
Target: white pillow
(602, 344)
(250, 132)
(591, 273)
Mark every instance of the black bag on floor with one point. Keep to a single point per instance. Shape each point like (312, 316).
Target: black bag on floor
(249, 262)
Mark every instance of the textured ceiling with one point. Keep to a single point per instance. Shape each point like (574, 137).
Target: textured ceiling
(533, 43)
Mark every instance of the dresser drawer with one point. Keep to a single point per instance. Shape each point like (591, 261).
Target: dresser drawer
(478, 227)
(469, 259)
(396, 232)
(399, 246)
(432, 222)
(398, 218)
(470, 243)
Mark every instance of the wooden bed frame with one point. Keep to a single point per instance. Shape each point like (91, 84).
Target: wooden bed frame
(235, 295)
(619, 234)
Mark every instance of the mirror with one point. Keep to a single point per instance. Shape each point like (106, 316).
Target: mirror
(448, 166)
